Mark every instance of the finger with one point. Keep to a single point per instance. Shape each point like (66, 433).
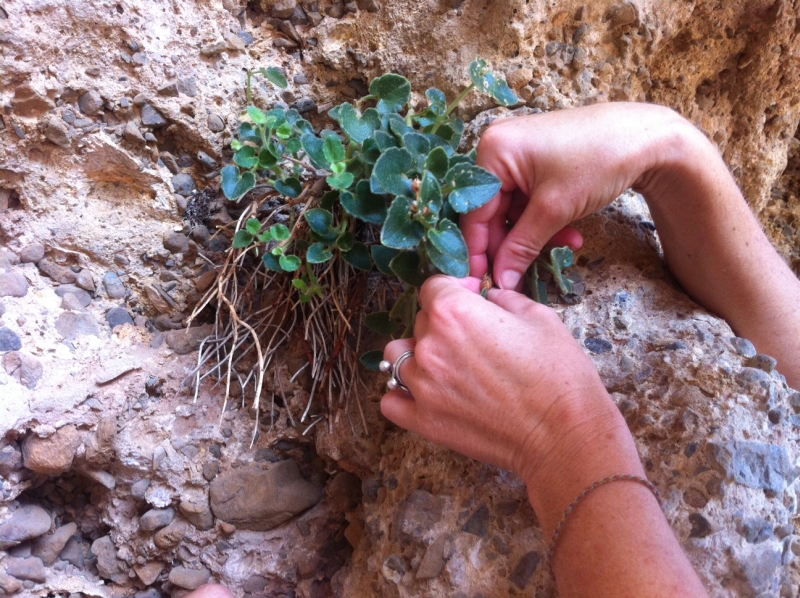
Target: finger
(513, 302)
(568, 236)
(480, 227)
(439, 286)
(397, 347)
(400, 408)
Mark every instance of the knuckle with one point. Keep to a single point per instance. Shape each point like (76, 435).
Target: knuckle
(521, 251)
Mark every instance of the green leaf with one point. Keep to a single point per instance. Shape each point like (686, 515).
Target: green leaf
(461, 159)
(437, 102)
(253, 226)
(279, 116)
(448, 250)
(489, 83)
(235, 185)
(477, 72)
(419, 146)
(451, 132)
(381, 322)
(385, 140)
(406, 266)
(397, 125)
(242, 239)
(320, 221)
(275, 76)
(358, 257)
(333, 148)
(279, 232)
(246, 157)
(266, 159)
(358, 127)
(474, 187)
(284, 131)
(257, 115)
(502, 93)
(318, 254)
(265, 237)
(328, 200)
(430, 194)
(364, 204)
(300, 285)
(290, 187)
(338, 168)
(399, 230)
(371, 360)
(562, 257)
(247, 132)
(271, 263)
(341, 182)
(393, 90)
(345, 241)
(290, 263)
(389, 173)
(382, 256)
(437, 162)
(313, 146)
(236, 145)
(294, 145)
(370, 152)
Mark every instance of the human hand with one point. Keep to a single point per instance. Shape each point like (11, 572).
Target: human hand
(557, 168)
(502, 381)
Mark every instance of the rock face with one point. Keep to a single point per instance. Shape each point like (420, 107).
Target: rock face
(255, 499)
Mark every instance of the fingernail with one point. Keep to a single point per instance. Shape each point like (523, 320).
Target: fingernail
(509, 280)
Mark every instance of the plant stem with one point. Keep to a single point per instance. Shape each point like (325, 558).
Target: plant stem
(454, 104)
(249, 93)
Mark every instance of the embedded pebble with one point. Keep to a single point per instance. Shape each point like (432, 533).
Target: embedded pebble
(27, 522)
(85, 281)
(417, 515)
(743, 347)
(83, 298)
(114, 286)
(13, 284)
(31, 253)
(71, 325)
(9, 340)
(187, 86)
(701, 527)
(73, 553)
(56, 131)
(59, 273)
(170, 536)
(763, 362)
(49, 547)
(30, 568)
(477, 524)
(24, 368)
(152, 117)
(183, 184)
(283, 9)
(215, 123)
(189, 579)
(597, 345)
(155, 519)
(525, 569)
(118, 316)
(90, 103)
(108, 565)
(52, 455)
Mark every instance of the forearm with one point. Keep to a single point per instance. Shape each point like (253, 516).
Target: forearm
(716, 248)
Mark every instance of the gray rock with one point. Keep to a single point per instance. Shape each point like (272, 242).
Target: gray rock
(210, 469)
(300, 79)
(336, 11)
(9, 585)
(254, 499)
(351, 7)
(187, 86)
(755, 529)
(246, 37)
(176, 242)
(169, 89)
(8, 259)
(304, 105)
(114, 286)
(754, 464)
(207, 161)
(186, 340)
(27, 522)
(417, 515)
(118, 316)
(314, 17)
(189, 579)
(478, 523)
(155, 519)
(73, 553)
(139, 59)
(701, 527)
(760, 568)
(13, 284)
(9, 341)
(170, 536)
(597, 345)
(432, 561)
(183, 184)
(743, 346)
(24, 368)
(149, 572)
(25, 568)
(525, 569)
(133, 135)
(59, 273)
(752, 377)
(108, 565)
(151, 593)
(197, 513)
(52, 455)
(30, 254)
(283, 9)
(85, 281)
(140, 99)
(56, 131)
(49, 547)
(152, 117)
(369, 5)
(139, 488)
(71, 325)
(84, 298)
(215, 123)
(90, 103)
(763, 362)
(10, 460)
(71, 303)
(2, 309)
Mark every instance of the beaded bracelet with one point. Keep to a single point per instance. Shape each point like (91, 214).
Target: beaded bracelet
(574, 504)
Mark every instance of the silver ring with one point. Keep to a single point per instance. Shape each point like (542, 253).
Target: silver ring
(394, 371)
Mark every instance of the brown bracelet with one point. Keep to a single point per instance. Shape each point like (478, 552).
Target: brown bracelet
(574, 504)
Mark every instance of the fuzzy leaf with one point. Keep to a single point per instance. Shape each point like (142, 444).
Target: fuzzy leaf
(385, 140)
(371, 360)
(381, 322)
(342, 182)
(290, 187)
(253, 226)
(266, 159)
(437, 102)
(419, 146)
(388, 176)
(320, 221)
(242, 239)
(257, 115)
(265, 237)
(247, 132)
(448, 250)
(318, 254)
(397, 125)
(502, 93)
(290, 263)
(358, 257)
(406, 266)
(430, 193)
(489, 83)
(437, 162)
(382, 256)
(294, 145)
(327, 201)
(358, 127)
(474, 187)
(333, 148)
(300, 285)
(562, 257)
(275, 77)
(393, 90)
(313, 145)
(345, 241)
(235, 185)
(246, 157)
(399, 230)
(279, 232)
(364, 204)
(271, 263)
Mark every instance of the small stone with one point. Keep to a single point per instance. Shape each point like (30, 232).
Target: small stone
(743, 347)
(210, 469)
(300, 79)
(760, 569)
(9, 341)
(139, 488)
(763, 362)
(754, 464)
(56, 131)
(215, 123)
(519, 78)
(336, 11)
(314, 17)
(151, 593)
(114, 286)
(61, 274)
(49, 547)
(29, 102)
(597, 345)
(52, 455)
(176, 242)
(207, 161)
(246, 37)
(132, 134)
(351, 7)
(187, 86)
(150, 137)
(183, 184)
(25, 568)
(108, 565)
(622, 14)
(525, 569)
(169, 89)
(149, 572)
(186, 340)
(170, 536)
(24, 368)
(432, 561)
(197, 513)
(30, 254)
(155, 519)
(701, 527)
(189, 579)
(283, 9)
(27, 522)
(118, 316)
(10, 460)
(73, 553)
(369, 5)
(477, 524)
(139, 59)
(71, 325)
(84, 298)
(152, 117)
(417, 515)
(9, 585)
(71, 302)
(13, 284)
(755, 529)
(304, 105)
(90, 103)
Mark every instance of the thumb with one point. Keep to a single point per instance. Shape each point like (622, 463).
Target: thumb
(511, 301)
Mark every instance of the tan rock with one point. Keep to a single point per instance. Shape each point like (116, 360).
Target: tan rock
(149, 572)
(52, 455)
(519, 78)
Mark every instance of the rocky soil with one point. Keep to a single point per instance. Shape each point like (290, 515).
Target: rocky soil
(120, 476)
